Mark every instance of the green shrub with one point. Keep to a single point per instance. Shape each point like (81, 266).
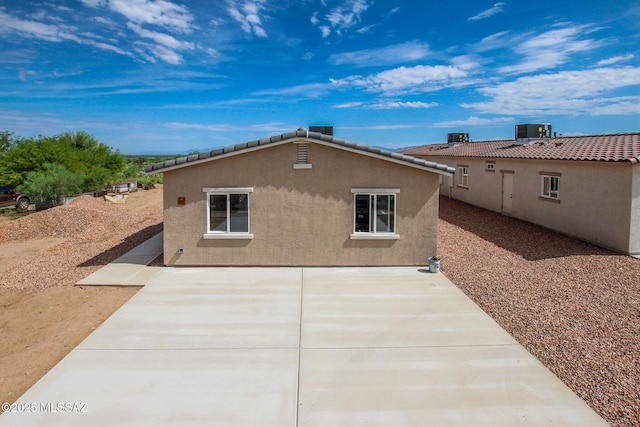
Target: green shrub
(45, 188)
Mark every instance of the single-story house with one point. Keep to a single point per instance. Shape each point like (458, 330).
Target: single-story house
(300, 199)
(584, 186)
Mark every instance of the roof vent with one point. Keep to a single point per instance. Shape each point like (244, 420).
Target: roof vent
(325, 130)
(528, 133)
(457, 138)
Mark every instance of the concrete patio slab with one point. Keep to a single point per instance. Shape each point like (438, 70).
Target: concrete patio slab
(165, 388)
(346, 308)
(208, 308)
(301, 347)
(434, 386)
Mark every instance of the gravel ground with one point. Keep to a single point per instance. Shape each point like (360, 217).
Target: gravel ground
(95, 232)
(574, 306)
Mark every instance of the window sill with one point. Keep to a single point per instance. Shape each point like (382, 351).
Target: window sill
(302, 165)
(374, 236)
(549, 199)
(462, 187)
(227, 236)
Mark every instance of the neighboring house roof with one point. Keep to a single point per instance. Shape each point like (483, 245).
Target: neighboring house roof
(315, 137)
(608, 148)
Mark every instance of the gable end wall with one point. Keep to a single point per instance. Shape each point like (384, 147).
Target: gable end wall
(300, 217)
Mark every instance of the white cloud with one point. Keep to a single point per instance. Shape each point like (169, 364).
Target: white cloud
(566, 92)
(95, 3)
(247, 13)
(52, 33)
(494, 41)
(497, 8)
(615, 60)
(550, 49)
(388, 105)
(395, 105)
(394, 54)
(159, 12)
(341, 18)
(160, 38)
(309, 90)
(420, 78)
(35, 29)
(474, 121)
(349, 105)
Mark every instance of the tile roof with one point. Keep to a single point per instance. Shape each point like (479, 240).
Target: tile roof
(311, 136)
(608, 148)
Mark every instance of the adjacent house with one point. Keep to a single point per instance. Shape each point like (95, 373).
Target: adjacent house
(300, 199)
(585, 186)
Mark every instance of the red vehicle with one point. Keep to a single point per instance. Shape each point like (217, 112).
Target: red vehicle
(9, 198)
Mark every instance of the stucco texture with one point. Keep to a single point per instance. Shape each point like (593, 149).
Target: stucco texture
(598, 201)
(300, 217)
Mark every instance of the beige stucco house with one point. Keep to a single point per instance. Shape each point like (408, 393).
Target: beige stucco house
(587, 186)
(300, 199)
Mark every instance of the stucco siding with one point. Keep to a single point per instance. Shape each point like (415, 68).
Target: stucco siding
(594, 204)
(634, 239)
(300, 216)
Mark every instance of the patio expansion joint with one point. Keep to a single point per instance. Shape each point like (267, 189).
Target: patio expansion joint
(299, 347)
(412, 346)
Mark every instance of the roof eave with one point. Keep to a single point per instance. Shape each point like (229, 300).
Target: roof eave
(292, 137)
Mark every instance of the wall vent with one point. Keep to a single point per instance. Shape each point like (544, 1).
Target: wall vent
(302, 154)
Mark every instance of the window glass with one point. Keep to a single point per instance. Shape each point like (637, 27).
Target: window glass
(239, 213)
(385, 213)
(550, 186)
(229, 213)
(362, 220)
(218, 212)
(463, 176)
(375, 213)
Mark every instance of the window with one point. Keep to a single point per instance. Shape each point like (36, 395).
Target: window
(490, 167)
(227, 213)
(463, 176)
(374, 213)
(550, 186)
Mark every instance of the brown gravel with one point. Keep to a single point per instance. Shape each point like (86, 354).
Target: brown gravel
(94, 231)
(42, 315)
(574, 306)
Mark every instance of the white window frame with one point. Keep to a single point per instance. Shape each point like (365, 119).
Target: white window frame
(490, 166)
(374, 234)
(551, 194)
(463, 176)
(213, 191)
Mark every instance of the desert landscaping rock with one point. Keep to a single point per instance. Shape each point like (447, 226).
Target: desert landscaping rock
(574, 306)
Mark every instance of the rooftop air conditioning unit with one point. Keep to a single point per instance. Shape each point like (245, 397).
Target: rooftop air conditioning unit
(457, 138)
(326, 130)
(528, 133)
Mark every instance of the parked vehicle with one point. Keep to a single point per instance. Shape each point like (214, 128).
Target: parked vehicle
(9, 198)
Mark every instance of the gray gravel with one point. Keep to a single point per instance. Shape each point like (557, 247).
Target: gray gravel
(574, 306)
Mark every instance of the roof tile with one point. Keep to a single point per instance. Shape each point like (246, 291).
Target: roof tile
(609, 148)
(157, 167)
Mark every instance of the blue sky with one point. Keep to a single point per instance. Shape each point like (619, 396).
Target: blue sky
(165, 76)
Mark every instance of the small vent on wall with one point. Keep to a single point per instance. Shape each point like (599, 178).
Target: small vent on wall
(302, 154)
(302, 160)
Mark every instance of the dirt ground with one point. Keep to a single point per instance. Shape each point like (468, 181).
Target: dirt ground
(43, 316)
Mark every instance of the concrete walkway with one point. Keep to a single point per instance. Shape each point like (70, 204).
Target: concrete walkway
(131, 269)
(301, 347)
